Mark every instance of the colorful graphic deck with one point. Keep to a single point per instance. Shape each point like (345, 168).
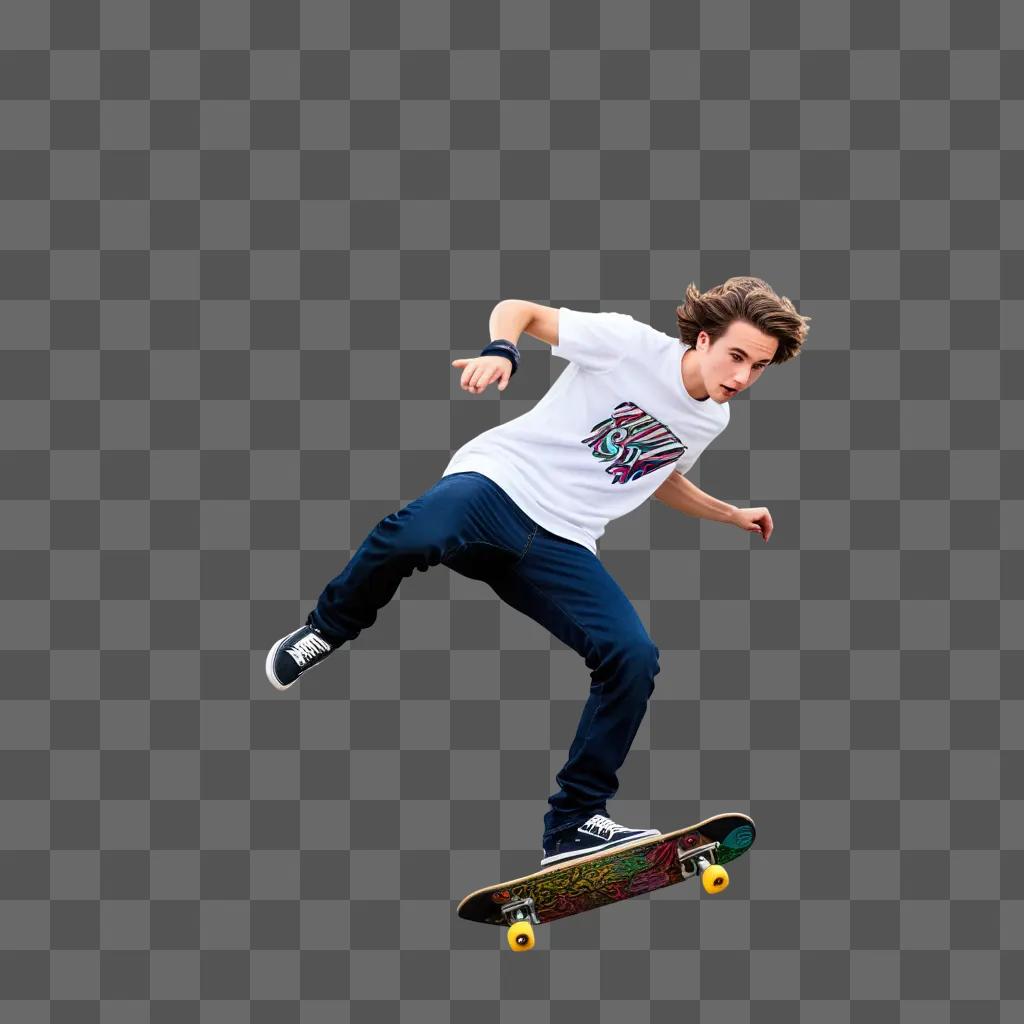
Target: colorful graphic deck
(560, 890)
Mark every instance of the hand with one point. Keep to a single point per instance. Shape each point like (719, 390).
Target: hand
(754, 520)
(480, 371)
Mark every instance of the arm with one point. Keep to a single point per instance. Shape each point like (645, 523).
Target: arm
(684, 496)
(512, 317)
(509, 319)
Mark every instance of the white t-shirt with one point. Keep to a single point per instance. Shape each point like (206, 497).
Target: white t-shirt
(606, 434)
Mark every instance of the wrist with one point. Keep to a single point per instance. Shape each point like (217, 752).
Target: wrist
(504, 349)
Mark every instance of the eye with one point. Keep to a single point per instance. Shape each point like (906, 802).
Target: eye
(736, 358)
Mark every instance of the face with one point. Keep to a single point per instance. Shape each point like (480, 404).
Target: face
(735, 361)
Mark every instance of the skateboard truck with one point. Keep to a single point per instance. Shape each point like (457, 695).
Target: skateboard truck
(520, 910)
(693, 861)
(520, 916)
(701, 860)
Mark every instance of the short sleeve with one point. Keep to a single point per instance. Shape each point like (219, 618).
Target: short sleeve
(594, 341)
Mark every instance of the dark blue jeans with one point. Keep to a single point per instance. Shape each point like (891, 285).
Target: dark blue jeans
(468, 523)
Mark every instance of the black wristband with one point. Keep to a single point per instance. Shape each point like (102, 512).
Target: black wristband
(500, 347)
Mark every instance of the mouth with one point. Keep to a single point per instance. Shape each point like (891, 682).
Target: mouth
(728, 390)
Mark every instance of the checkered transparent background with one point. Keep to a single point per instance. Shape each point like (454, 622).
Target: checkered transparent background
(241, 244)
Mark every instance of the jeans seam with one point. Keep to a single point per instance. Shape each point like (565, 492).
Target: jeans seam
(476, 543)
(529, 543)
(597, 709)
(548, 597)
(502, 493)
(600, 692)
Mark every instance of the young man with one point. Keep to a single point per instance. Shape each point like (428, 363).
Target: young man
(522, 506)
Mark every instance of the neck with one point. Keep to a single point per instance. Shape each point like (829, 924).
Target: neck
(692, 379)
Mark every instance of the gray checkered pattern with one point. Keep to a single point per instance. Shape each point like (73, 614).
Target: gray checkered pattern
(241, 243)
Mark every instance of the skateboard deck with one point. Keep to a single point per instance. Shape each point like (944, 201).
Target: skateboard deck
(610, 876)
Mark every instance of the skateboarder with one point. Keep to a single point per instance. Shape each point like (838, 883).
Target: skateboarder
(522, 505)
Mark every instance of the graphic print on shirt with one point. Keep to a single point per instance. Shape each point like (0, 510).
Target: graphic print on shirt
(633, 443)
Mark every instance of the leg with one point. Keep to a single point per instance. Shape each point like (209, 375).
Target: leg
(563, 586)
(463, 510)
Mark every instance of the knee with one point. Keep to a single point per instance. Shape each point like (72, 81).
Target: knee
(647, 658)
(405, 536)
(637, 659)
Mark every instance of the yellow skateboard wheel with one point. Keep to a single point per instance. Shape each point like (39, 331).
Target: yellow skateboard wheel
(715, 878)
(520, 936)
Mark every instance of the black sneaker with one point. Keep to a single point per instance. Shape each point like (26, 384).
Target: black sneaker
(594, 835)
(294, 653)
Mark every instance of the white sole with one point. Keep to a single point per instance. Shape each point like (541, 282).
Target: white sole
(270, 666)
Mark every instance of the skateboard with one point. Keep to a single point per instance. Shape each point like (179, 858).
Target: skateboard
(610, 876)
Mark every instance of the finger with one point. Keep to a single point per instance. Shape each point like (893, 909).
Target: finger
(504, 382)
(459, 362)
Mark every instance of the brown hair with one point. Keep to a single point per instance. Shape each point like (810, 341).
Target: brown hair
(742, 298)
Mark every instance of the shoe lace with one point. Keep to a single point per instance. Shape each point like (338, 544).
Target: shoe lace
(307, 648)
(605, 826)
